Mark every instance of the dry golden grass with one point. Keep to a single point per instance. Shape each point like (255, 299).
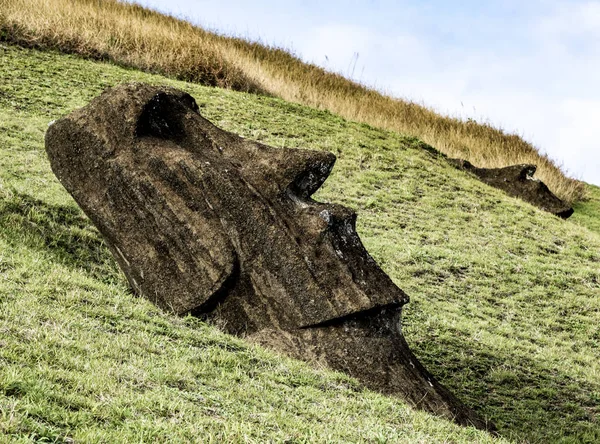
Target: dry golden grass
(133, 36)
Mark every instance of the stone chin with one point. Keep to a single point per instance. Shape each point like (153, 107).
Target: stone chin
(203, 221)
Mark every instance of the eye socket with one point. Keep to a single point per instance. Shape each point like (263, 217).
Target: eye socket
(162, 114)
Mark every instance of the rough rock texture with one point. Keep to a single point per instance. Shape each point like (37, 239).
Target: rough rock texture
(203, 221)
(518, 181)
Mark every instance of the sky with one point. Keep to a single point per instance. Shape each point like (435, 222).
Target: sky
(530, 67)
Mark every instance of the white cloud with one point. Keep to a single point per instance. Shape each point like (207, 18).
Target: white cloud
(571, 19)
(336, 45)
(581, 129)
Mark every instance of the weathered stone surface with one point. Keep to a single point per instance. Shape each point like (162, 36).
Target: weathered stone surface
(518, 181)
(203, 221)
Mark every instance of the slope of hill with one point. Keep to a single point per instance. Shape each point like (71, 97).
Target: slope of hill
(505, 299)
(587, 212)
(133, 36)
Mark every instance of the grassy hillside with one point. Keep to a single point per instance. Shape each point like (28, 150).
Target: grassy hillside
(136, 37)
(505, 299)
(587, 212)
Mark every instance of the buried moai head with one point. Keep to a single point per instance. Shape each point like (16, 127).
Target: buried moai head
(205, 222)
(198, 217)
(518, 181)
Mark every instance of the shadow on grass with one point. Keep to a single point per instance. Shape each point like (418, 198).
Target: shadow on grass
(524, 398)
(61, 231)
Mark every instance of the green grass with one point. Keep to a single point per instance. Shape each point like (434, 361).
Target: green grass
(587, 213)
(505, 299)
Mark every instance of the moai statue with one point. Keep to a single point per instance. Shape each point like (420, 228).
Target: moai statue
(205, 222)
(518, 181)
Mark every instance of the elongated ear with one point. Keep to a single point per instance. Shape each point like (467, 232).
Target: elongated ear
(121, 160)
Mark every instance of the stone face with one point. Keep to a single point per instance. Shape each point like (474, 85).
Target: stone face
(518, 181)
(205, 222)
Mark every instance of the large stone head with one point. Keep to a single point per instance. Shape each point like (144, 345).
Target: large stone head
(203, 221)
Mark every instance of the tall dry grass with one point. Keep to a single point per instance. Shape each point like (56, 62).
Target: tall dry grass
(131, 35)
(124, 33)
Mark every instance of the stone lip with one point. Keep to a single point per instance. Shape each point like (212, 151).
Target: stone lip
(518, 181)
(203, 221)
